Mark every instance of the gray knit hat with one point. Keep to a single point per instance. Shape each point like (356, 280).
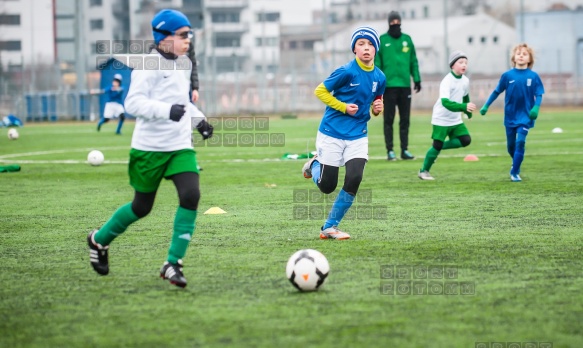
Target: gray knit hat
(394, 15)
(454, 56)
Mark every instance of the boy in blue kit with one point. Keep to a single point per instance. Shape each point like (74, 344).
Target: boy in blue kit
(161, 146)
(114, 105)
(524, 94)
(351, 93)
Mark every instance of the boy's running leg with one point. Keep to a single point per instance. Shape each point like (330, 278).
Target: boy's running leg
(101, 122)
(124, 216)
(120, 123)
(116, 225)
(518, 157)
(187, 185)
(511, 140)
(344, 200)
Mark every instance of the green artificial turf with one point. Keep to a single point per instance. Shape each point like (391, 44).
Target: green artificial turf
(518, 245)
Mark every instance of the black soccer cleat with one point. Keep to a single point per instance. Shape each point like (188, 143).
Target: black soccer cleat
(98, 255)
(406, 155)
(173, 273)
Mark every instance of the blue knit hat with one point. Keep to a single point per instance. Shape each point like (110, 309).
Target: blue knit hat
(366, 33)
(166, 22)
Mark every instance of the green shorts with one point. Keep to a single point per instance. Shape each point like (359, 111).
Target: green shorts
(147, 168)
(442, 132)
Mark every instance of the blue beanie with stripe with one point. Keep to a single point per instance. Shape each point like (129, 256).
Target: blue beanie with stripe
(366, 33)
(166, 22)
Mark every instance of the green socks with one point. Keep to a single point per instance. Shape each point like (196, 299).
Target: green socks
(124, 216)
(430, 158)
(116, 225)
(183, 231)
(432, 153)
(452, 144)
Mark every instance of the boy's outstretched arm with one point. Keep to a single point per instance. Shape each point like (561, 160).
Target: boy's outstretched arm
(468, 110)
(489, 102)
(533, 114)
(327, 98)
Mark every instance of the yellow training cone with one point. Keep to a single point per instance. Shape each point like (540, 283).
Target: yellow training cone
(215, 210)
(471, 158)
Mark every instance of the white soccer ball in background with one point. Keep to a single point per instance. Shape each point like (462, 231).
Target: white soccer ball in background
(13, 134)
(307, 269)
(95, 158)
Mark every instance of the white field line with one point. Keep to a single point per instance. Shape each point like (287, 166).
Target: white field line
(10, 158)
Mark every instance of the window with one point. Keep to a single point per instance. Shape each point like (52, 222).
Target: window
(95, 3)
(425, 11)
(268, 17)
(10, 45)
(6, 19)
(483, 39)
(96, 24)
(495, 39)
(470, 40)
(308, 45)
(293, 45)
(228, 42)
(225, 17)
(412, 14)
(267, 41)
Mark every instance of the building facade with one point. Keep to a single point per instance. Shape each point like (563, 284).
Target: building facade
(26, 33)
(557, 51)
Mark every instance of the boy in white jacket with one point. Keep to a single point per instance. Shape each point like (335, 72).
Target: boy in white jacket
(161, 144)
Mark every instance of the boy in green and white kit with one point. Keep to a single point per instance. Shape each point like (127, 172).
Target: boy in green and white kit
(454, 98)
(161, 145)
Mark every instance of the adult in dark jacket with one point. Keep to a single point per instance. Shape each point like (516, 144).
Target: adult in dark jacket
(398, 60)
(193, 73)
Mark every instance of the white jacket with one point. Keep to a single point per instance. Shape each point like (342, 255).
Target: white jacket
(153, 90)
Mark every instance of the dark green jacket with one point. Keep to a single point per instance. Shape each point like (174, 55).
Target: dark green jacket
(398, 60)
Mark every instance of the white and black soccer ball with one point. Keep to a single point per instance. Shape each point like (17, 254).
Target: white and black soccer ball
(307, 269)
(13, 134)
(95, 158)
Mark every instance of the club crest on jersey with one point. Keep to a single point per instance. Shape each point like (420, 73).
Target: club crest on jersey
(528, 82)
(374, 86)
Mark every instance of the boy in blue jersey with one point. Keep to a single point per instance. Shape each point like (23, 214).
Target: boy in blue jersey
(351, 93)
(524, 94)
(114, 105)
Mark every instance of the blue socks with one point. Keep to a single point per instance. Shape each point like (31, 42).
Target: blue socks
(518, 153)
(341, 205)
(119, 124)
(316, 168)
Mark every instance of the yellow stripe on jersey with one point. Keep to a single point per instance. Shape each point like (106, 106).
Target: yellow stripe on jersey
(327, 98)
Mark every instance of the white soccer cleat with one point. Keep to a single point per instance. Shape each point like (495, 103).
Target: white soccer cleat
(424, 175)
(333, 233)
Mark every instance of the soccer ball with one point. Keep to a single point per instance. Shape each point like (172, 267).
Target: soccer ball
(95, 158)
(307, 269)
(13, 134)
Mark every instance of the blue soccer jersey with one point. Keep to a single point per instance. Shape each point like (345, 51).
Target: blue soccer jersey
(521, 86)
(352, 85)
(114, 96)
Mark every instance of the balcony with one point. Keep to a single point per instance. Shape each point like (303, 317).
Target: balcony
(232, 27)
(230, 51)
(226, 4)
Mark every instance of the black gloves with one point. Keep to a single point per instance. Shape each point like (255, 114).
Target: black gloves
(205, 129)
(176, 112)
(417, 87)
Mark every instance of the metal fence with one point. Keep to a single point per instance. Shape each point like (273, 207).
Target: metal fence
(257, 94)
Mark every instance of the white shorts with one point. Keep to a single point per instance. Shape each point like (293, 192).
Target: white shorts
(113, 110)
(336, 152)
